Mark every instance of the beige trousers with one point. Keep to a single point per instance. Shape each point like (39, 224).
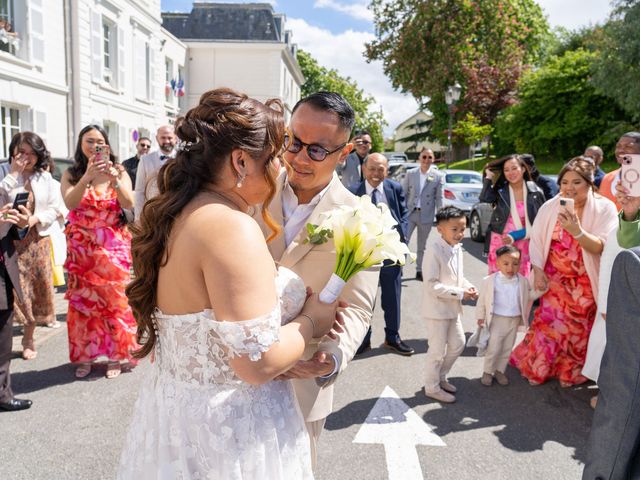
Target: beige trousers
(315, 429)
(502, 337)
(446, 343)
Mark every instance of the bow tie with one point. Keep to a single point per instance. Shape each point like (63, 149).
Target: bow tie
(507, 281)
(164, 157)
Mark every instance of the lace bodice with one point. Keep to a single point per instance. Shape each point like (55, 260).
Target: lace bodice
(196, 348)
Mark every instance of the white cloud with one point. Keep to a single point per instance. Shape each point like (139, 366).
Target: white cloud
(357, 10)
(573, 14)
(344, 52)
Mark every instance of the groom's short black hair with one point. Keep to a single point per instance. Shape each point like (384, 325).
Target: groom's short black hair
(330, 102)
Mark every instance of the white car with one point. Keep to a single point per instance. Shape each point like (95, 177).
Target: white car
(461, 189)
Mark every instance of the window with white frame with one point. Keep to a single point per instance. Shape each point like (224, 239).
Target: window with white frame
(22, 29)
(8, 35)
(168, 89)
(109, 47)
(10, 123)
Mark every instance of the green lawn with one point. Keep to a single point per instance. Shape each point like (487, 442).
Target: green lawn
(551, 167)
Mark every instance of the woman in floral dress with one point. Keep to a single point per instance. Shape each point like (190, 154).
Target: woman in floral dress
(565, 254)
(100, 321)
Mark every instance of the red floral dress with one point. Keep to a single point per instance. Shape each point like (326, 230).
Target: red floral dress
(100, 321)
(555, 345)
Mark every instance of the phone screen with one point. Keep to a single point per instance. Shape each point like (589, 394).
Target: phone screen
(21, 200)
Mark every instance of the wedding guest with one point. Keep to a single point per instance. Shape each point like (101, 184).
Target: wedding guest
(383, 190)
(444, 289)
(503, 305)
(58, 239)
(99, 320)
(306, 191)
(27, 173)
(597, 155)
(565, 249)
(548, 186)
(222, 325)
(13, 226)
(131, 164)
(423, 191)
(350, 170)
(517, 200)
(629, 143)
(146, 186)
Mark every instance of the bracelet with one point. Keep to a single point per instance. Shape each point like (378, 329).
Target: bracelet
(581, 234)
(313, 324)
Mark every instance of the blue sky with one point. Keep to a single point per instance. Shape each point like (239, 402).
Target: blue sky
(335, 31)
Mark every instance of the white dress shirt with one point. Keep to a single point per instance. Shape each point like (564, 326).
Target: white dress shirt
(382, 198)
(506, 296)
(295, 215)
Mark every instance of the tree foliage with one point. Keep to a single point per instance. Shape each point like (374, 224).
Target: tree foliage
(617, 71)
(318, 78)
(471, 130)
(485, 45)
(560, 112)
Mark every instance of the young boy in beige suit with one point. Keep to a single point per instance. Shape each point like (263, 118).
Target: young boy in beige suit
(503, 304)
(444, 289)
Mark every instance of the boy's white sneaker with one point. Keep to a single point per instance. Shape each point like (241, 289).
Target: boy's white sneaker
(441, 396)
(447, 387)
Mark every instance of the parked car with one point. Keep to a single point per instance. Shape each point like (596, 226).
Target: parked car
(461, 189)
(396, 156)
(398, 170)
(481, 216)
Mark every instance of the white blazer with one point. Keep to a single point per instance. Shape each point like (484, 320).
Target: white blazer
(146, 186)
(46, 193)
(484, 307)
(443, 286)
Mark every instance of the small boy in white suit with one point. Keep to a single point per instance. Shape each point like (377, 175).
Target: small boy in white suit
(503, 304)
(444, 289)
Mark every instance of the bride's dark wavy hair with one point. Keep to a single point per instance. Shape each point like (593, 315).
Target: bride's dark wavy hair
(224, 120)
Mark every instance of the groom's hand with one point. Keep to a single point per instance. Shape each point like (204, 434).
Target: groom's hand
(321, 364)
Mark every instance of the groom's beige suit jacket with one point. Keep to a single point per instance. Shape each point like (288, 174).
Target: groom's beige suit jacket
(315, 264)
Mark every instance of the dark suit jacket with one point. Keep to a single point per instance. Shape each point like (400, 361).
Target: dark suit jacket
(396, 201)
(9, 234)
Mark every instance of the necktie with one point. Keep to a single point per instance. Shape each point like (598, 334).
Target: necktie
(374, 197)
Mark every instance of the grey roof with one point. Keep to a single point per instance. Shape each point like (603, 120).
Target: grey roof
(252, 22)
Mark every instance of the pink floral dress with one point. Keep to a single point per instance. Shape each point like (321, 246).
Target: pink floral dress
(555, 345)
(523, 245)
(100, 321)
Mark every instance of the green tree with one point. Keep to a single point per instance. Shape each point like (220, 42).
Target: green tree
(318, 78)
(617, 69)
(560, 112)
(485, 45)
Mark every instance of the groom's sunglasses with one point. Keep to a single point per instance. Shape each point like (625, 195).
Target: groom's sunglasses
(315, 152)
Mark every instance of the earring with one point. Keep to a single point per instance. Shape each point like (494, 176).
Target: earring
(240, 180)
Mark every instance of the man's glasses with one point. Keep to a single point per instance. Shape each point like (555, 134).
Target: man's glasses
(142, 145)
(314, 151)
(425, 158)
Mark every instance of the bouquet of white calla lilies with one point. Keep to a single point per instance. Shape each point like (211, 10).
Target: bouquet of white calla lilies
(363, 236)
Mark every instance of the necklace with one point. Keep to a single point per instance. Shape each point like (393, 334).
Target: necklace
(231, 200)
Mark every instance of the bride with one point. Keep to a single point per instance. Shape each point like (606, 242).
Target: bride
(220, 321)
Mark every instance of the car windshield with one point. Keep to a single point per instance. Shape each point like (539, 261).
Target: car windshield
(463, 178)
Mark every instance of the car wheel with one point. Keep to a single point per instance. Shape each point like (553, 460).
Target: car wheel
(475, 229)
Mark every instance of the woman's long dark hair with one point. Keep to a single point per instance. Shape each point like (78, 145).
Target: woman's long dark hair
(37, 145)
(80, 160)
(224, 120)
(498, 167)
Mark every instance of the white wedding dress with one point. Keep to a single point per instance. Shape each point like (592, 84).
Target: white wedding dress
(195, 419)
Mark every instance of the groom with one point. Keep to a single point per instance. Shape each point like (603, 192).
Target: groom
(320, 127)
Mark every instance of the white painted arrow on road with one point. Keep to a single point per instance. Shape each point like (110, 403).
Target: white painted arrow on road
(394, 424)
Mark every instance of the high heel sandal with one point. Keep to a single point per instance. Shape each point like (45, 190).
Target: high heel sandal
(114, 369)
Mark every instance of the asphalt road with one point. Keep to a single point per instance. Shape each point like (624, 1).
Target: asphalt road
(75, 429)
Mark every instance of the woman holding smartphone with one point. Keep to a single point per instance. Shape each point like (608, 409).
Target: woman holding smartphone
(100, 321)
(29, 184)
(567, 240)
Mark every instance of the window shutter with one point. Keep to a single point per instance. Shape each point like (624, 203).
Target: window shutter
(139, 67)
(152, 73)
(120, 33)
(38, 122)
(36, 31)
(123, 137)
(96, 47)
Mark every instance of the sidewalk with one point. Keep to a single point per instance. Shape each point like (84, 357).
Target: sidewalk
(42, 334)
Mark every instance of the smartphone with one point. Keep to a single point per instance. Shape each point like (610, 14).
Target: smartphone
(630, 174)
(21, 200)
(102, 153)
(567, 204)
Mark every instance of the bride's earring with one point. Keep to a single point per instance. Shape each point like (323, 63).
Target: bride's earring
(240, 180)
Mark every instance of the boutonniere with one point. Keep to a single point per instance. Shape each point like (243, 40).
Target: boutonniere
(317, 235)
(431, 177)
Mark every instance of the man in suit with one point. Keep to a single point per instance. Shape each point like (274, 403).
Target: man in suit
(351, 170)
(423, 190)
(382, 190)
(146, 186)
(597, 155)
(9, 281)
(131, 164)
(320, 126)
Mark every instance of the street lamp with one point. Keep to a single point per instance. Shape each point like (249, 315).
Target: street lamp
(451, 96)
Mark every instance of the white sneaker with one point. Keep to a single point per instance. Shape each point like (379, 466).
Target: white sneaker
(441, 396)
(447, 387)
